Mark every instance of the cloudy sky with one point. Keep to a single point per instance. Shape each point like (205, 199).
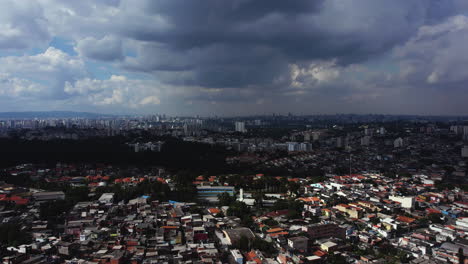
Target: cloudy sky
(234, 57)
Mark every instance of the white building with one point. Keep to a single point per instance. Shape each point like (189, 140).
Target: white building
(463, 222)
(456, 129)
(237, 255)
(305, 147)
(315, 136)
(406, 201)
(368, 131)
(398, 143)
(106, 198)
(293, 146)
(240, 127)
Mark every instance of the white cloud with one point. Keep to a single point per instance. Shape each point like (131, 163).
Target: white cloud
(49, 69)
(117, 90)
(313, 73)
(150, 100)
(16, 87)
(437, 54)
(22, 25)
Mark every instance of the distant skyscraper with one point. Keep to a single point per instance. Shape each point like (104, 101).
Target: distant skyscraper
(456, 129)
(294, 146)
(464, 152)
(368, 131)
(305, 147)
(240, 127)
(315, 136)
(398, 143)
(339, 142)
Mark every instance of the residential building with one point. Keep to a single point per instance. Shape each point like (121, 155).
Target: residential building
(316, 231)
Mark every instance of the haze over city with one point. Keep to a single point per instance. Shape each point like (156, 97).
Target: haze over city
(236, 57)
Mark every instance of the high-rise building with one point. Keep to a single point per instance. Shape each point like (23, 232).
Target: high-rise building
(315, 136)
(240, 127)
(464, 152)
(293, 146)
(398, 143)
(339, 142)
(368, 131)
(305, 147)
(456, 129)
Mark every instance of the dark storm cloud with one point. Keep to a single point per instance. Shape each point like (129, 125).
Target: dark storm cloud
(217, 65)
(105, 49)
(246, 42)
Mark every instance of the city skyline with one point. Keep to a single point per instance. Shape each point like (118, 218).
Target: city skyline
(234, 58)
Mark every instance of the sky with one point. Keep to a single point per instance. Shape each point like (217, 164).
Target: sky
(235, 57)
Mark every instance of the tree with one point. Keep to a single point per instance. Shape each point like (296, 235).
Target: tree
(314, 219)
(270, 222)
(247, 221)
(224, 199)
(461, 256)
(294, 214)
(244, 243)
(337, 199)
(220, 214)
(258, 196)
(263, 246)
(239, 209)
(336, 259)
(375, 220)
(294, 207)
(435, 218)
(280, 204)
(293, 187)
(13, 235)
(53, 211)
(184, 192)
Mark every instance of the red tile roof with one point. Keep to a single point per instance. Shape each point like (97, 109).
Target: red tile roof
(252, 256)
(405, 219)
(432, 211)
(214, 210)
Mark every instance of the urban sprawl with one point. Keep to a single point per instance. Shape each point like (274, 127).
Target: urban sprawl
(276, 189)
